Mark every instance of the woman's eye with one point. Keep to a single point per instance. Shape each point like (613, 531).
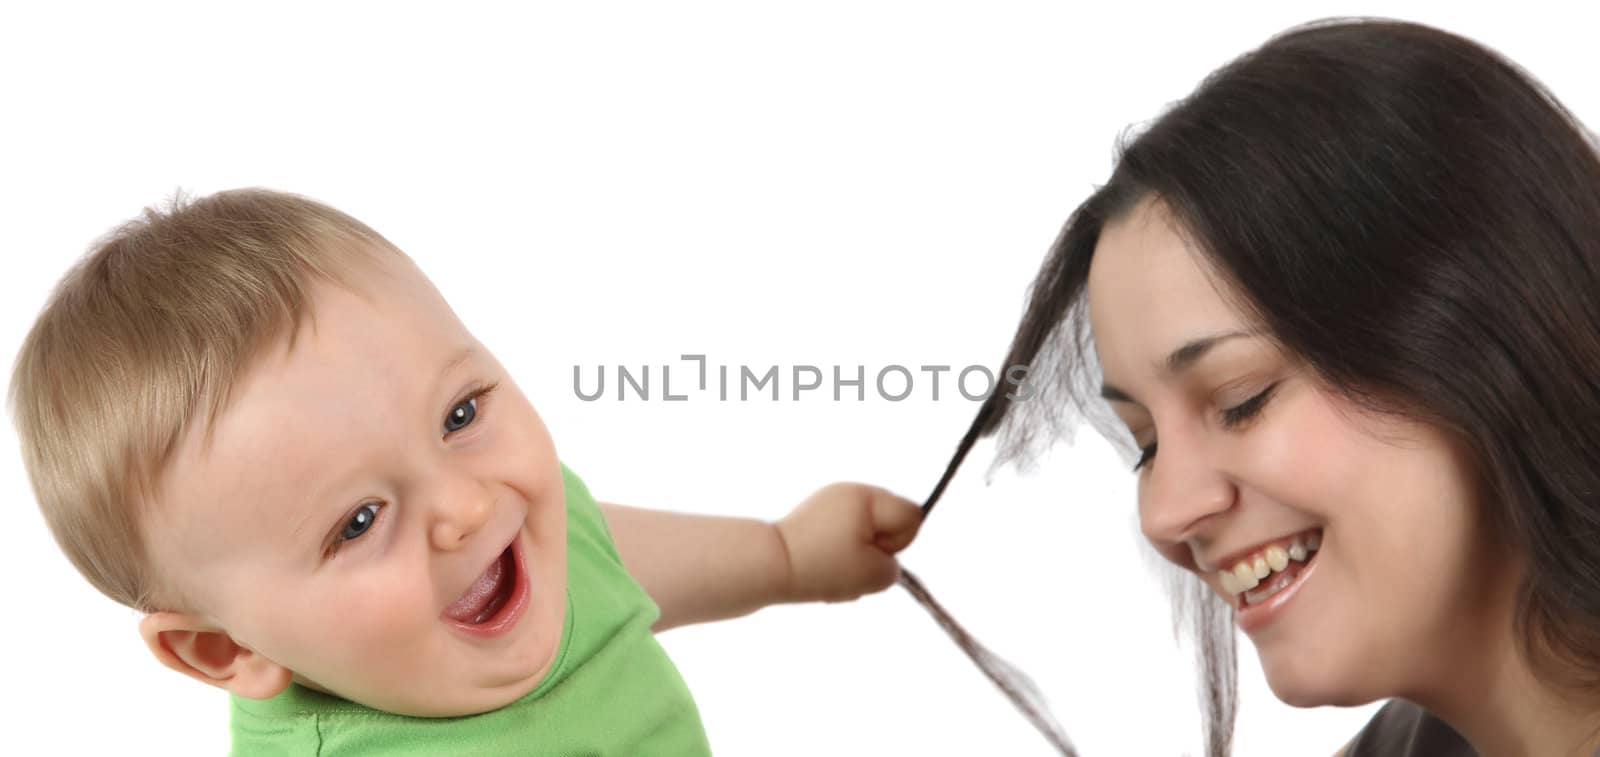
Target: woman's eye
(461, 415)
(1238, 414)
(1146, 454)
(361, 520)
(1232, 417)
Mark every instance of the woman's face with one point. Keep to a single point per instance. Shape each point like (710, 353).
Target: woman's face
(1350, 545)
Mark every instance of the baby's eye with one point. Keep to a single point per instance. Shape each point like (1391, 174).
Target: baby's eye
(465, 411)
(360, 521)
(461, 415)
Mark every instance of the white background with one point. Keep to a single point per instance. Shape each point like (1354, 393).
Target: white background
(829, 183)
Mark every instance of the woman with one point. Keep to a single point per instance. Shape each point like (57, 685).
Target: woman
(1346, 299)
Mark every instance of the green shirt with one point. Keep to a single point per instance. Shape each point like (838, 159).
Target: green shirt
(612, 690)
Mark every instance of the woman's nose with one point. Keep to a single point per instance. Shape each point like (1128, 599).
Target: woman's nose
(460, 510)
(1180, 491)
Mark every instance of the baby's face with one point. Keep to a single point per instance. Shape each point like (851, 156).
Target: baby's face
(358, 497)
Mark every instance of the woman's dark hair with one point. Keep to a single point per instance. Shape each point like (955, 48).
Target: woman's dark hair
(1416, 219)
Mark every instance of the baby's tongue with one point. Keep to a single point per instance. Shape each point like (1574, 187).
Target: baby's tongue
(478, 596)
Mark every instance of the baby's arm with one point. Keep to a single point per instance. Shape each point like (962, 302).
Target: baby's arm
(836, 545)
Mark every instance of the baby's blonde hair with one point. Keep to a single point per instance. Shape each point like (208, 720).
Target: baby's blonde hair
(145, 336)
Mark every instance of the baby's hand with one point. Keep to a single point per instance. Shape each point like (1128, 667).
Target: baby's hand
(842, 541)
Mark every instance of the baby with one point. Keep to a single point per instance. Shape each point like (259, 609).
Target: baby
(255, 420)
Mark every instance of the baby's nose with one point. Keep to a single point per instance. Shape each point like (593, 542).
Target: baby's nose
(459, 520)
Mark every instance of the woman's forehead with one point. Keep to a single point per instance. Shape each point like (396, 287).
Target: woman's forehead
(1149, 294)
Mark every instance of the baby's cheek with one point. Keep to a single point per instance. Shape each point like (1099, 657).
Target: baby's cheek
(393, 600)
(374, 615)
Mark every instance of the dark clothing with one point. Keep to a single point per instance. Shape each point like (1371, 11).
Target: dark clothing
(1402, 729)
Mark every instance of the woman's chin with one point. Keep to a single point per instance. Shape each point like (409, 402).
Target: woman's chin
(1300, 682)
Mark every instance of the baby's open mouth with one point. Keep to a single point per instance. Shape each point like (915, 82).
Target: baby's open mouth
(487, 594)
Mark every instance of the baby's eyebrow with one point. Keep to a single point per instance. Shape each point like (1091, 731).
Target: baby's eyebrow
(457, 358)
(304, 522)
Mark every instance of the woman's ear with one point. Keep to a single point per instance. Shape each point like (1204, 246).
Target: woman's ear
(202, 651)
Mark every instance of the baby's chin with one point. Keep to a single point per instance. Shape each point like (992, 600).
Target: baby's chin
(428, 703)
(313, 685)
(513, 673)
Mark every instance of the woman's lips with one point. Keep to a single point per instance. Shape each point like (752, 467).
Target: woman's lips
(1256, 615)
(1232, 561)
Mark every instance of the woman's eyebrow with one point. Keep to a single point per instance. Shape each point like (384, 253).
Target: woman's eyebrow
(1178, 361)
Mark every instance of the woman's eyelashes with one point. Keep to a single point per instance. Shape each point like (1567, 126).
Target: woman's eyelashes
(1232, 418)
(1146, 452)
(1241, 413)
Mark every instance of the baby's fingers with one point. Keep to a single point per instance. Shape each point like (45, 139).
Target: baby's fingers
(895, 520)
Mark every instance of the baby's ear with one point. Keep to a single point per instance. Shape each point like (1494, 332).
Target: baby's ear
(202, 651)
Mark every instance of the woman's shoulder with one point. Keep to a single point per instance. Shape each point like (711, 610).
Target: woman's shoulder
(1403, 729)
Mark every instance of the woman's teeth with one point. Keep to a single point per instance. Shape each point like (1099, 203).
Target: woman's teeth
(1252, 597)
(1250, 572)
